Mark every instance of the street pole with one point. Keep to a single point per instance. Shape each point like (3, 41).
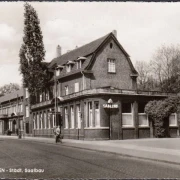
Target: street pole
(19, 126)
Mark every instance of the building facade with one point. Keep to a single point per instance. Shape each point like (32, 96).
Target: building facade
(94, 89)
(11, 112)
(93, 95)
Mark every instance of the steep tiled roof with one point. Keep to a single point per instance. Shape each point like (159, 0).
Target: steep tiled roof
(81, 51)
(11, 96)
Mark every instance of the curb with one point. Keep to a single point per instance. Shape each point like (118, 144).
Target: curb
(108, 152)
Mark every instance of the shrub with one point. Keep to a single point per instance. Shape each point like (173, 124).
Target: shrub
(159, 112)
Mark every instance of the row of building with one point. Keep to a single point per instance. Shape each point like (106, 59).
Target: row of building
(93, 89)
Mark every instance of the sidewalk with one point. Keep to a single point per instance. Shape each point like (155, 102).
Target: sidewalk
(164, 150)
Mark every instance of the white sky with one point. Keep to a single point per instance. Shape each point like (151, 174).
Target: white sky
(141, 28)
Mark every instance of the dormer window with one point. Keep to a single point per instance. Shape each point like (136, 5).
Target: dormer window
(69, 66)
(59, 69)
(57, 72)
(79, 61)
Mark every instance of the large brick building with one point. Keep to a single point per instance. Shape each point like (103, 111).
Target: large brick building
(88, 80)
(94, 88)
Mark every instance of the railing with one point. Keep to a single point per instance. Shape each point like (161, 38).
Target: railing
(44, 103)
(104, 91)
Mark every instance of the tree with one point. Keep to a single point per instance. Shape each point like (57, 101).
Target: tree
(32, 54)
(166, 67)
(9, 88)
(145, 80)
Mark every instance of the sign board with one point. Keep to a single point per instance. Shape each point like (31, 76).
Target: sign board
(110, 106)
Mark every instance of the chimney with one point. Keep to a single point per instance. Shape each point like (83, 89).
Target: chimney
(58, 51)
(115, 33)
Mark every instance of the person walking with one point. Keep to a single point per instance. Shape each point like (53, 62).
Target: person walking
(57, 134)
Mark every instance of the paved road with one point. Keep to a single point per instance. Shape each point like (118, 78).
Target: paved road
(60, 161)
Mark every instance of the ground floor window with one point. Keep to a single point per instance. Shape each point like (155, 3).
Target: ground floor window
(127, 119)
(78, 119)
(45, 120)
(72, 117)
(143, 118)
(173, 120)
(37, 121)
(41, 125)
(66, 117)
(34, 121)
(97, 114)
(90, 114)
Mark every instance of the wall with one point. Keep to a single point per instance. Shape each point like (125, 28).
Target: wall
(121, 79)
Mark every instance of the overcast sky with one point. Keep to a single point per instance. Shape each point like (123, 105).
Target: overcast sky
(141, 28)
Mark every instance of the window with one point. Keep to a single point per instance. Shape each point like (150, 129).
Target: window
(34, 121)
(40, 97)
(127, 119)
(72, 117)
(76, 87)
(97, 114)
(79, 64)
(173, 119)
(37, 121)
(26, 92)
(40, 118)
(68, 68)
(47, 94)
(111, 65)
(111, 45)
(90, 114)
(27, 111)
(45, 120)
(66, 117)
(78, 110)
(49, 119)
(143, 118)
(66, 90)
(58, 72)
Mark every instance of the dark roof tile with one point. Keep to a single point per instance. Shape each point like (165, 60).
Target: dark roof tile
(11, 96)
(81, 51)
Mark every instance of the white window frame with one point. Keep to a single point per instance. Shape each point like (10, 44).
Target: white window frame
(90, 114)
(130, 114)
(78, 115)
(49, 120)
(72, 117)
(45, 120)
(97, 112)
(68, 68)
(27, 111)
(66, 118)
(37, 118)
(147, 120)
(76, 87)
(111, 65)
(34, 121)
(176, 123)
(58, 72)
(41, 119)
(66, 90)
(26, 93)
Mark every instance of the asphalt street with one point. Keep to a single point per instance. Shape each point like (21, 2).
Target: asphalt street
(26, 159)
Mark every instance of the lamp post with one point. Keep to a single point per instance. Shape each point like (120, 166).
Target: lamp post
(110, 102)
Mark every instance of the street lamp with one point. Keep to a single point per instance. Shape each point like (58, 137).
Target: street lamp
(110, 102)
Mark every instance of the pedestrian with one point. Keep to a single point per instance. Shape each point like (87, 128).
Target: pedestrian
(57, 135)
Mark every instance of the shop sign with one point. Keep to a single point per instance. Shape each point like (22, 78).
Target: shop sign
(110, 106)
